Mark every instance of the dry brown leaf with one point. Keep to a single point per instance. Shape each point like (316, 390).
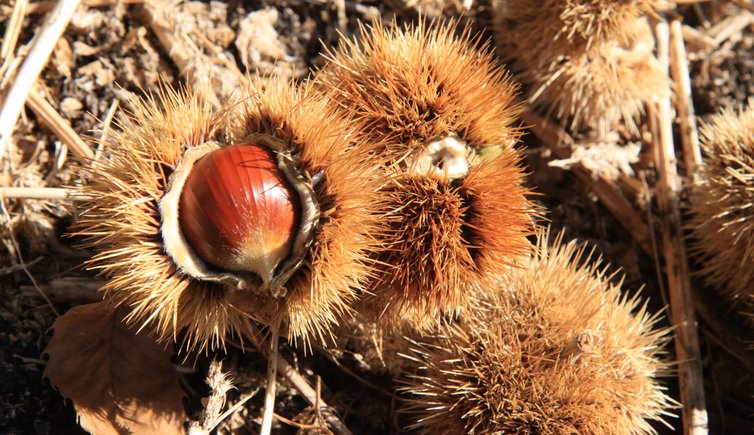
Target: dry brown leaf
(119, 381)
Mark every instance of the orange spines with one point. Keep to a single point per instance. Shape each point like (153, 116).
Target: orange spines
(345, 181)
(589, 63)
(139, 218)
(551, 348)
(720, 203)
(409, 86)
(440, 112)
(122, 222)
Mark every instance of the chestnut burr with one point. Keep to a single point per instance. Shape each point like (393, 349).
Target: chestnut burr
(442, 113)
(206, 221)
(553, 347)
(588, 63)
(722, 235)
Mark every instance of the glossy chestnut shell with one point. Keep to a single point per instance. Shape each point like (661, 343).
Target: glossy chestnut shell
(238, 212)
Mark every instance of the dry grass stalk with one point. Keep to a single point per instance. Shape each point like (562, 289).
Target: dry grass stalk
(679, 68)
(301, 385)
(682, 312)
(59, 126)
(68, 290)
(46, 6)
(272, 373)
(12, 31)
(21, 261)
(47, 193)
(556, 348)
(37, 58)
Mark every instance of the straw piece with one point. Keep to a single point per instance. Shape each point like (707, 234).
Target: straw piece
(59, 126)
(38, 56)
(692, 154)
(46, 193)
(691, 381)
(13, 30)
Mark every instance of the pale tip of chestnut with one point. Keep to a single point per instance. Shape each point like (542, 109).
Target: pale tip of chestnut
(446, 157)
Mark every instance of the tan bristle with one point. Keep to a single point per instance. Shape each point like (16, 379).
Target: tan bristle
(122, 221)
(419, 93)
(592, 73)
(553, 348)
(347, 184)
(410, 85)
(445, 237)
(721, 204)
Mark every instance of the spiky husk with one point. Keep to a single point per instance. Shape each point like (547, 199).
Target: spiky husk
(580, 22)
(721, 205)
(407, 86)
(445, 237)
(122, 222)
(337, 264)
(596, 85)
(410, 85)
(554, 348)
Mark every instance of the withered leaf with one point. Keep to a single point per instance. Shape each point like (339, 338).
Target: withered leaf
(119, 381)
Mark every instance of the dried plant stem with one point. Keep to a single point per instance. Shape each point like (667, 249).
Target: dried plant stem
(269, 396)
(45, 6)
(13, 30)
(68, 290)
(38, 56)
(47, 193)
(682, 312)
(307, 391)
(692, 154)
(59, 126)
(105, 129)
(560, 142)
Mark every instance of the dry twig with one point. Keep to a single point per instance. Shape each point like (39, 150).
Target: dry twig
(307, 392)
(42, 46)
(692, 154)
(269, 397)
(68, 290)
(682, 311)
(47, 193)
(46, 6)
(59, 126)
(21, 260)
(13, 30)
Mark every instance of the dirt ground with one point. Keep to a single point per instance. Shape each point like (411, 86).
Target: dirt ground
(120, 48)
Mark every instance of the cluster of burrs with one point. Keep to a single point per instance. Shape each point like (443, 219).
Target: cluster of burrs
(589, 63)
(387, 189)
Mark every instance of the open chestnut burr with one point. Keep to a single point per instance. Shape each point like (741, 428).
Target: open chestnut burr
(207, 221)
(457, 208)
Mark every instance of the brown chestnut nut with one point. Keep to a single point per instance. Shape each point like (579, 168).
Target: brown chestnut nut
(234, 210)
(237, 211)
